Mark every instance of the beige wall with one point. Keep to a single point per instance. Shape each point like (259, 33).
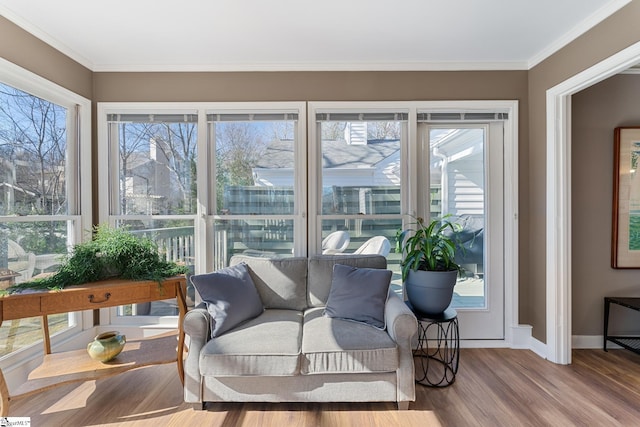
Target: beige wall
(596, 112)
(614, 34)
(25, 50)
(312, 86)
(619, 31)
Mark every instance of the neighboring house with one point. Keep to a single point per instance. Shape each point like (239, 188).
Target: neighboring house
(147, 181)
(13, 195)
(21, 187)
(350, 172)
(457, 170)
(375, 163)
(352, 161)
(352, 169)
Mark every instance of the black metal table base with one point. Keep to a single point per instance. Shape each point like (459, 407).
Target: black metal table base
(438, 352)
(631, 343)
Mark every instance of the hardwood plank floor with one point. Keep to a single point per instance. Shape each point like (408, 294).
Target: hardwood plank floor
(494, 387)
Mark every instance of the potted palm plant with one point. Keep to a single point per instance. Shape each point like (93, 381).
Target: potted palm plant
(429, 270)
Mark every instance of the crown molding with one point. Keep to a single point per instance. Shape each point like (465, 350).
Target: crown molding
(591, 21)
(318, 66)
(45, 37)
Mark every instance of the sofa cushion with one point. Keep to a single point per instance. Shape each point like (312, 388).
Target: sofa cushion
(321, 273)
(358, 294)
(230, 295)
(338, 346)
(267, 345)
(281, 282)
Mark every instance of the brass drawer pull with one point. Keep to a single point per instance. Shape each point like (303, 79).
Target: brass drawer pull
(107, 295)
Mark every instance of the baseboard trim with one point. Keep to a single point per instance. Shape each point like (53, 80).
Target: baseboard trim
(518, 337)
(521, 336)
(590, 342)
(484, 344)
(538, 347)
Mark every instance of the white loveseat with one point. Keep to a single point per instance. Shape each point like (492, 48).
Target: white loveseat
(291, 352)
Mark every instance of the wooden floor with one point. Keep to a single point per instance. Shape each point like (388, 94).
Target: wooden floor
(494, 387)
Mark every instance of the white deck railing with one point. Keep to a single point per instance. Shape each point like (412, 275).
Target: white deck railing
(175, 243)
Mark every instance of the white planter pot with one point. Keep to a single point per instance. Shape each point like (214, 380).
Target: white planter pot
(430, 291)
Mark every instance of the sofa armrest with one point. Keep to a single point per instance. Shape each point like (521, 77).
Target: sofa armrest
(402, 324)
(197, 325)
(402, 327)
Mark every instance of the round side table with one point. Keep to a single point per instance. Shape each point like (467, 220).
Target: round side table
(438, 350)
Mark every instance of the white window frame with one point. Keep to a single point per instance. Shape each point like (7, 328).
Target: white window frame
(79, 196)
(108, 180)
(299, 215)
(205, 215)
(407, 196)
(515, 335)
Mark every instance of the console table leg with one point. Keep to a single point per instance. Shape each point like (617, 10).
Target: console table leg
(46, 340)
(182, 307)
(4, 396)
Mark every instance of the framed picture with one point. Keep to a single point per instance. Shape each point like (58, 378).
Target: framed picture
(625, 236)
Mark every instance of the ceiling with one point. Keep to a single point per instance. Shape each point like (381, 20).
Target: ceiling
(278, 35)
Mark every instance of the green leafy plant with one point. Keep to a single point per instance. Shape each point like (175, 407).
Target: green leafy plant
(428, 247)
(113, 252)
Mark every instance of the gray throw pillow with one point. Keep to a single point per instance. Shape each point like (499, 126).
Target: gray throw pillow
(230, 295)
(358, 294)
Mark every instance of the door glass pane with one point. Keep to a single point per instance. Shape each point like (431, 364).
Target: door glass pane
(458, 189)
(157, 163)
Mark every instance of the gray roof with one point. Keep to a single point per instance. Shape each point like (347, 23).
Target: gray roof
(335, 154)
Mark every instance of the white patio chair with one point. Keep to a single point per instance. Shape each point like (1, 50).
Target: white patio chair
(335, 242)
(379, 245)
(21, 261)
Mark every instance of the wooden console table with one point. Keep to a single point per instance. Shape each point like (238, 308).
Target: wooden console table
(62, 368)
